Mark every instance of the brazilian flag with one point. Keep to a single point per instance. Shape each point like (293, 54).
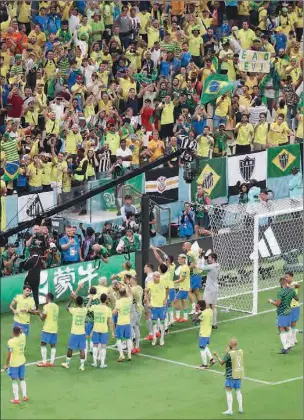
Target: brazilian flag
(282, 159)
(212, 176)
(216, 85)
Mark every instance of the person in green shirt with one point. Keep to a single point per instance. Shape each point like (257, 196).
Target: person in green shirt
(220, 136)
(234, 365)
(202, 221)
(284, 297)
(10, 263)
(53, 256)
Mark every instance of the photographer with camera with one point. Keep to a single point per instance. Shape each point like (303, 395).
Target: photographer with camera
(186, 228)
(10, 260)
(107, 238)
(52, 256)
(128, 208)
(202, 221)
(131, 242)
(37, 243)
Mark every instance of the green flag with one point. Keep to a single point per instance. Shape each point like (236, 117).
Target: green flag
(282, 159)
(215, 85)
(212, 175)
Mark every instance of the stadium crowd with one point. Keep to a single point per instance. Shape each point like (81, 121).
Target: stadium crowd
(89, 88)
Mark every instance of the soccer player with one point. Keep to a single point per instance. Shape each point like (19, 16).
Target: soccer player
(195, 275)
(183, 284)
(25, 305)
(205, 316)
(156, 297)
(102, 320)
(77, 340)
(295, 308)
(90, 319)
(284, 298)
(123, 327)
(234, 364)
(169, 261)
(136, 312)
(102, 287)
(209, 264)
(50, 330)
(15, 363)
(148, 270)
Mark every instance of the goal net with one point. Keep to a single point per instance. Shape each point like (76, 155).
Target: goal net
(256, 244)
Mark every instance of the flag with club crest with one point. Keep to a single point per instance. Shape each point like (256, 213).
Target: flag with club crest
(212, 176)
(282, 159)
(216, 85)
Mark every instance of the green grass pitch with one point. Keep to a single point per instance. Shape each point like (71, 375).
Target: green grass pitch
(162, 383)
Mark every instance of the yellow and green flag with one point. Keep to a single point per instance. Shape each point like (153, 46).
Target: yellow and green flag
(216, 85)
(282, 159)
(212, 176)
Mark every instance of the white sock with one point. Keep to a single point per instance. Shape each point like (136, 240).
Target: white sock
(171, 316)
(239, 399)
(193, 306)
(204, 356)
(82, 362)
(155, 330)
(229, 400)
(208, 352)
(53, 355)
(149, 326)
(166, 322)
(91, 345)
(137, 336)
(294, 335)
(86, 349)
(15, 390)
(99, 352)
(158, 325)
(177, 314)
(68, 359)
(103, 352)
(289, 338)
(23, 388)
(162, 330)
(95, 354)
(186, 314)
(43, 353)
(214, 322)
(283, 336)
(129, 347)
(119, 347)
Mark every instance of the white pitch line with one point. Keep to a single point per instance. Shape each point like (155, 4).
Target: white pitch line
(298, 378)
(197, 368)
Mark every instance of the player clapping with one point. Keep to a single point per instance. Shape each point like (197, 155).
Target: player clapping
(25, 306)
(205, 316)
(123, 327)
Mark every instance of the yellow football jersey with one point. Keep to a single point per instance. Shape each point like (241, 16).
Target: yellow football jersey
(123, 306)
(101, 315)
(51, 310)
(78, 321)
(23, 303)
(16, 346)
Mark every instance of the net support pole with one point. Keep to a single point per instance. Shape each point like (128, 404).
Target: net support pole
(145, 233)
(255, 285)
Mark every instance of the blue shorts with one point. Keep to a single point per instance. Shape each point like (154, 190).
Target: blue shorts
(171, 296)
(77, 342)
(114, 319)
(88, 328)
(295, 314)
(181, 295)
(100, 338)
(158, 313)
(48, 338)
(123, 332)
(25, 327)
(203, 342)
(233, 383)
(17, 372)
(284, 320)
(196, 281)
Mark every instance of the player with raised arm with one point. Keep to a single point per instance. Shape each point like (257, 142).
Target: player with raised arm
(195, 275)
(77, 340)
(204, 316)
(234, 364)
(284, 298)
(15, 363)
(123, 327)
(183, 284)
(102, 322)
(148, 270)
(295, 308)
(169, 261)
(156, 297)
(49, 333)
(209, 264)
(136, 312)
(22, 306)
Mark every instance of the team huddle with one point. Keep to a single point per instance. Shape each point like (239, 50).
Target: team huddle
(117, 309)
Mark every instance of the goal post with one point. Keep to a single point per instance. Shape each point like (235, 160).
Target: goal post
(256, 244)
